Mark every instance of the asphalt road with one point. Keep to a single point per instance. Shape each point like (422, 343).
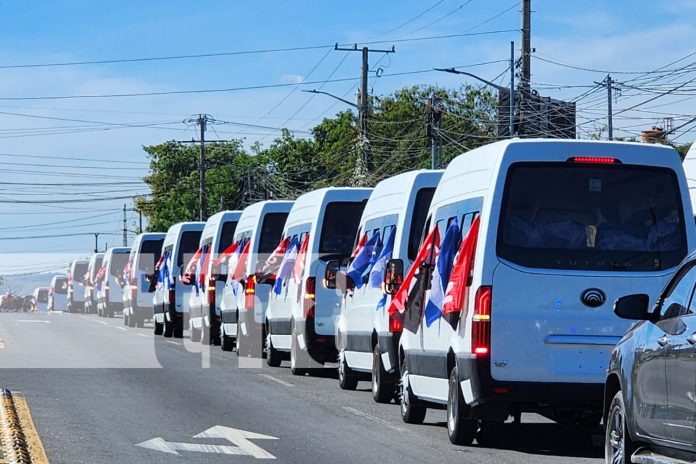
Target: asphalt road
(97, 389)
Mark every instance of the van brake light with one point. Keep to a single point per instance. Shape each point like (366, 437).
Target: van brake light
(481, 321)
(309, 297)
(594, 160)
(396, 322)
(249, 293)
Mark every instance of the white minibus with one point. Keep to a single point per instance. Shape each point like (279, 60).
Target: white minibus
(510, 309)
(137, 301)
(302, 313)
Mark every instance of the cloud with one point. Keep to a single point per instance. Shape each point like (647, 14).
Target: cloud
(292, 78)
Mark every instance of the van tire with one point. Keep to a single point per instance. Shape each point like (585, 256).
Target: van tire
(140, 322)
(159, 328)
(293, 355)
(132, 320)
(226, 343)
(382, 389)
(195, 335)
(168, 329)
(412, 410)
(273, 358)
(461, 426)
(490, 433)
(178, 327)
(347, 379)
(125, 320)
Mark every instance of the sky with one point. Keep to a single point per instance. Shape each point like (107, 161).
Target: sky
(94, 144)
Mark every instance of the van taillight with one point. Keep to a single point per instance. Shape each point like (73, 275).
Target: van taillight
(396, 322)
(172, 296)
(211, 292)
(481, 323)
(309, 297)
(594, 160)
(249, 293)
(106, 290)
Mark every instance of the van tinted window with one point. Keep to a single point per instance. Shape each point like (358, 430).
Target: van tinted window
(79, 271)
(117, 263)
(226, 236)
(149, 254)
(188, 245)
(591, 216)
(97, 265)
(42, 297)
(271, 231)
(420, 211)
(61, 285)
(341, 221)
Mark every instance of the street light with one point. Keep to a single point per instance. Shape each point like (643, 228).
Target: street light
(456, 71)
(333, 96)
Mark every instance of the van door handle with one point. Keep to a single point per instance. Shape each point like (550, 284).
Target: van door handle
(691, 339)
(663, 341)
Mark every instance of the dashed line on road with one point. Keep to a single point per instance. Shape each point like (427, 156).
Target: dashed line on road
(172, 342)
(2, 343)
(372, 418)
(101, 322)
(143, 335)
(277, 380)
(121, 328)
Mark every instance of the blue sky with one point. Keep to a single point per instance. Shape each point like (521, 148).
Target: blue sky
(620, 35)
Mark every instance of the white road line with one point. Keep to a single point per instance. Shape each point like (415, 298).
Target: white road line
(143, 335)
(277, 380)
(121, 328)
(172, 342)
(2, 344)
(101, 322)
(372, 418)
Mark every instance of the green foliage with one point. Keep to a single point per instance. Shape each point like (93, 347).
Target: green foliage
(398, 141)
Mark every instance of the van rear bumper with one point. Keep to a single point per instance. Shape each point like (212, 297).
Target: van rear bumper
(475, 373)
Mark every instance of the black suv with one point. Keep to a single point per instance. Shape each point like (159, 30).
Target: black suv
(650, 391)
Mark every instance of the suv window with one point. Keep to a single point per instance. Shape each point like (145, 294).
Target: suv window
(679, 296)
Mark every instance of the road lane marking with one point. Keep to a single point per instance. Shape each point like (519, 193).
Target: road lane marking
(2, 344)
(172, 342)
(121, 328)
(240, 439)
(277, 380)
(143, 335)
(372, 418)
(36, 448)
(34, 321)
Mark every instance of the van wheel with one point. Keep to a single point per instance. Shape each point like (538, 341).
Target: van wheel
(126, 320)
(273, 358)
(412, 410)
(178, 327)
(159, 328)
(168, 328)
(226, 343)
(382, 387)
(140, 322)
(195, 335)
(618, 446)
(347, 379)
(490, 433)
(293, 355)
(132, 320)
(461, 426)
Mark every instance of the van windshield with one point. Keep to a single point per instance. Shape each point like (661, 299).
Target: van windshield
(80, 271)
(226, 235)
(188, 244)
(341, 220)
(118, 263)
(149, 254)
(420, 211)
(592, 217)
(271, 231)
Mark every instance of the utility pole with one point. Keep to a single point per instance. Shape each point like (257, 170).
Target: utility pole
(512, 89)
(125, 227)
(365, 159)
(608, 82)
(140, 222)
(203, 211)
(96, 242)
(525, 65)
(433, 131)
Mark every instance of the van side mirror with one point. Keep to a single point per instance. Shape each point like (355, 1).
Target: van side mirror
(633, 307)
(331, 273)
(393, 276)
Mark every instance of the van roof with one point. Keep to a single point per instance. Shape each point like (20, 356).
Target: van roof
(150, 236)
(307, 207)
(213, 222)
(391, 195)
(117, 250)
(252, 213)
(473, 172)
(178, 228)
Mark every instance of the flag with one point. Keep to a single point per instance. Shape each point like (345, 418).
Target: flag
(234, 258)
(272, 264)
(204, 267)
(225, 255)
(361, 262)
(199, 268)
(408, 300)
(441, 273)
(458, 286)
(298, 270)
(240, 269)
(190, 269)
(100, 277)
(287, 265)
(360, 245)
(385, 254)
